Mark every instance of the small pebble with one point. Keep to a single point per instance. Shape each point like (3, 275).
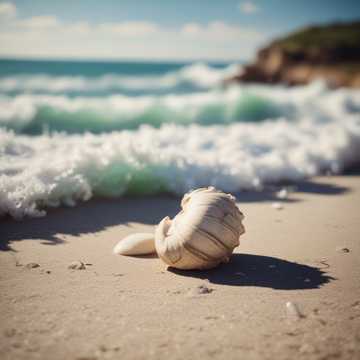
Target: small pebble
(103, 348)
(203, 289)
(32, 265)
(9, 332)
(77, 265)
(282, 194)
(307, 349)
(342, 249)
(291, 333)
(239, 273)
(292, 311)
(200, 290)
(277, 206)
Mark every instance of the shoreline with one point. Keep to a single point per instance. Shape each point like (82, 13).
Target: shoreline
(137, 308)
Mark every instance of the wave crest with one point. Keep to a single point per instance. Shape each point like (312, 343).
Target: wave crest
(197, 76)
(34, 114)
(47, 171)
(259, 134)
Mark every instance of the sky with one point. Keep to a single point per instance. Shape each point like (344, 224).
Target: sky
(227, 30)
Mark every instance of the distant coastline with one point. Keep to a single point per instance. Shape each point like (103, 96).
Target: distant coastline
(330, 52)
(124, 60)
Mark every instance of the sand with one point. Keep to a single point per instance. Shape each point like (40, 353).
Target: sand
(306, 253)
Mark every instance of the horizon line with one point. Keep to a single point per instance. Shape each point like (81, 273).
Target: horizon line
(119, 60)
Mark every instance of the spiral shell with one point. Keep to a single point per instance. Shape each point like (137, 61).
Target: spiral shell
(203, 234)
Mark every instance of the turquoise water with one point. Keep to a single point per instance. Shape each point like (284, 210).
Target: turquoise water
(90, 68)
(70, 131)
(78, 97)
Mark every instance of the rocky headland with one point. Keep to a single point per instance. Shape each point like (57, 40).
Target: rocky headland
(330, 52)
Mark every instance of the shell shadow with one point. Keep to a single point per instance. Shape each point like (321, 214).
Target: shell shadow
(262, 271)
(269, 193)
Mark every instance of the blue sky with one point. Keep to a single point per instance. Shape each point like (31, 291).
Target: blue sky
(163, 29)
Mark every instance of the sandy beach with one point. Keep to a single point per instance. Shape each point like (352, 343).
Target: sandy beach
(111, 111)
(307, 253)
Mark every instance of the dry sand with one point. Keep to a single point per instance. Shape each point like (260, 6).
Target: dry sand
(135, 308)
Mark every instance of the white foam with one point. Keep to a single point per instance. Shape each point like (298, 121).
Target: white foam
(19, 111)
(38, 172)
(318, 131)
(198, 74)
(217, 106)
(221, 106)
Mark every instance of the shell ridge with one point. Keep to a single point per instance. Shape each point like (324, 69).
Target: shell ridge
(198, 253)
(214, 240)
(225, 224)
(223, 203)
(194, 250)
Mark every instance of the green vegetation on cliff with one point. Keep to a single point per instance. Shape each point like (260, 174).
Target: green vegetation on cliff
(345, 36)
(330, 52)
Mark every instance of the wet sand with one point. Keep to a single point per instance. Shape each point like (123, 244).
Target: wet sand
(306, 253)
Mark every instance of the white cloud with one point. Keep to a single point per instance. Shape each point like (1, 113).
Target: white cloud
(219, 30)
(7, 10)
(39, 22)
(248, 7)
(48, 36)
(80, 27)
(191, 29)
(129, 28)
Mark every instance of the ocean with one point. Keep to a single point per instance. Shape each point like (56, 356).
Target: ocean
(70, 131)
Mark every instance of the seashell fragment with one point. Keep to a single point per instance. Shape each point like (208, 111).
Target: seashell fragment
(136, 244)
(292, 311)
(77, 265)
(342, 249)
(200, 290)
(277, 206)
(32, 265)
(282, 194)
(203, 234)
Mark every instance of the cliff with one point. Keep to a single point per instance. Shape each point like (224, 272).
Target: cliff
(329, 52)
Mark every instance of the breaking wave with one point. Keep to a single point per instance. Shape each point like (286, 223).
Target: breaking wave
(34, 114)
(80, 130)
(193, 77)
(321, 133)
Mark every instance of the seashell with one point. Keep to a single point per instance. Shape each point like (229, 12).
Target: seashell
(203, 234)
(277, 206)
(77, 265)
(292, 311)
(136, 244)
(282, 194)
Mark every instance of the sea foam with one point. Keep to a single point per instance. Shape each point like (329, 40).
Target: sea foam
(322, 134)
(195, 76)
(33, 113)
